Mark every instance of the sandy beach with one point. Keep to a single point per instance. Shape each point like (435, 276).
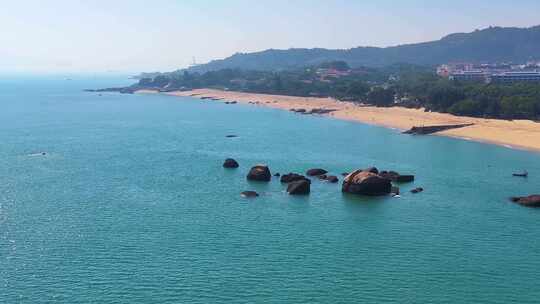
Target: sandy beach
(522, 134)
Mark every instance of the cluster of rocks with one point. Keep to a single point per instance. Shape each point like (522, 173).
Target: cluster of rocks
(210, 98)
(369, 182)
(230, 102)
(319, 111)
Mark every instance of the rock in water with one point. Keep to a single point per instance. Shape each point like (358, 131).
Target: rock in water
(277, 174)
(332, 179)
(316, 172)
(527, 201)
(417, 190)
(366, 183)
(230, 163)
(259, 173)
(300, 187)
(396, 177)
(405, 178)
(291, 177)
(249, 194)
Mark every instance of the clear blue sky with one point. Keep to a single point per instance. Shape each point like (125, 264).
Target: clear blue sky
(137, 35)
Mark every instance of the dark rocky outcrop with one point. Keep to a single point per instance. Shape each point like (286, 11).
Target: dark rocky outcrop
(230, 163)
(527, 201)
(259, 173)
(366, 183)
(320, 111)
(298, 110)
(299, 187)
(434, 129)
(417, 190)
(249, 194)
(291, 177)
(277, 174)
(231, 136)
(316, 172)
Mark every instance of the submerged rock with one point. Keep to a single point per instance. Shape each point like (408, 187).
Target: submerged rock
(299, 187)
(316, 172)
(366, 183)
(417, 190)
(527, 201)
(231, 136)
(249, 194)
(230, 163)
(259, 173)
(277, 174)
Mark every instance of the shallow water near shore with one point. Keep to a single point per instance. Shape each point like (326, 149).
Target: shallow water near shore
(130, 204)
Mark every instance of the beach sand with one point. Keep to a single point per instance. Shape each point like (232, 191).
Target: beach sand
(523, 134)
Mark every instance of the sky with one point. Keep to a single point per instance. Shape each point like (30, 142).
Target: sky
(60, 36)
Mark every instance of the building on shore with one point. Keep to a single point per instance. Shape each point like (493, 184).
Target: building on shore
(491, 72)
(474, 75)
(513, 77)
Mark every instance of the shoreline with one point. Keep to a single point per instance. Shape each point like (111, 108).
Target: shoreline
(515, 134)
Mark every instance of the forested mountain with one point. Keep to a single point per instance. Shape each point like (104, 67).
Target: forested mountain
(494, 44)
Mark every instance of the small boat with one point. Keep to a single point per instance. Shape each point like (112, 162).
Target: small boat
(523, 174)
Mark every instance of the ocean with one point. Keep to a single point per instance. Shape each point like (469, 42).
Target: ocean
(130, 204)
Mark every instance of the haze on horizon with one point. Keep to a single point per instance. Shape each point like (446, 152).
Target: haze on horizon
(73, 36)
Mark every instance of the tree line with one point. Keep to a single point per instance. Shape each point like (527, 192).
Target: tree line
(396, 85)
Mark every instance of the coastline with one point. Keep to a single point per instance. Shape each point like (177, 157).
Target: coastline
(519, 134)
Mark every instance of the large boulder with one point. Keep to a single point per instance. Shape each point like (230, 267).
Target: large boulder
(528, 201)
(291, 177)
(316, 172)
(366, 183)
(230, 163)
(259, 173)
(299, 187)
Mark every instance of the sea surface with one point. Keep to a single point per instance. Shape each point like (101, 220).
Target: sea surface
(130, 204)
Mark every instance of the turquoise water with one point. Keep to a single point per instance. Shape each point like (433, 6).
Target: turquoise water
(131, 205)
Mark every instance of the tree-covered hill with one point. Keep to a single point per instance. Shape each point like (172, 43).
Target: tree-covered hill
(494, 44)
